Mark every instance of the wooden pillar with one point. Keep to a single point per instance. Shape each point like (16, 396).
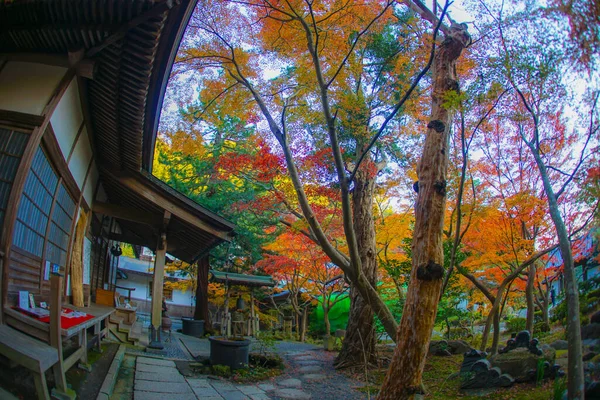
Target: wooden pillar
(201, 310)
(252, 327)
(56, 284)
(226, 328)
(157, 291)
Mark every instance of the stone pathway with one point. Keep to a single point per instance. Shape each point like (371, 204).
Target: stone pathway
(159, 379)
(309, 375)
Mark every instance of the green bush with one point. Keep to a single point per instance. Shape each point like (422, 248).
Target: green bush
(588, 302)
(537, 316)
(221, 370)
(541, 327)
(516, 324)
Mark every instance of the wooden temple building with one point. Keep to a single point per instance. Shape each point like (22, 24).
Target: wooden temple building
(81, 88)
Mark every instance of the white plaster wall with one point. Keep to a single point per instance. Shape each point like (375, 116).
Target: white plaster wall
(134, 281)
(82, 154)
(90, 185)
(27, 87)
(101, 195)
(182, 298)
(140, 283)
(67, 118)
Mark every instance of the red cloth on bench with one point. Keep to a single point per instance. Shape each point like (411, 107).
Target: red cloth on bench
(65, 323)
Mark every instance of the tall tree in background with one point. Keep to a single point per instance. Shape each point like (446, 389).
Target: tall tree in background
(536, 71)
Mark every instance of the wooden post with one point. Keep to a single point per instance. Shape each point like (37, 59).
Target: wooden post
(1, 275)
(252, 333)
(56, 284)
(157, 292)
(226, 328)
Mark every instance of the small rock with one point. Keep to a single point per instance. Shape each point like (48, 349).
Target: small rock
(559, 345)
(439, 348)
(588, 356)
(590, 331)
(590, 366)
(595, 318)
(458, 346)
(519, 362)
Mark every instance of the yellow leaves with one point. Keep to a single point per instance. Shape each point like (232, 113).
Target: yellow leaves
(390, 233)
(216, 294)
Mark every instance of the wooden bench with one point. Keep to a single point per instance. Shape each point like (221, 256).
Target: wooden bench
(30, 353)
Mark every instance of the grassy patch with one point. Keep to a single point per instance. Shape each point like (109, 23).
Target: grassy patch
(261, 367)
(441, 381)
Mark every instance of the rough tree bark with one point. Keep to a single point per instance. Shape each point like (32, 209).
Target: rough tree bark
(359, 343)
(575, 376)
(201, 310)
(403, 380)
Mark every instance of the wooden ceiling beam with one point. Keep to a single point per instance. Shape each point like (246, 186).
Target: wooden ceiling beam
(122, 31)
(127, 214)
(133, 240)
(164, 203)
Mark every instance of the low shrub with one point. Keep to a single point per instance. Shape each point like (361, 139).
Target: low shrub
(541, 327)
(221, 370)
(516, 324)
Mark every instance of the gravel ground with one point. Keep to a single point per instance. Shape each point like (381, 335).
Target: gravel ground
(90, 386)
(172, 349)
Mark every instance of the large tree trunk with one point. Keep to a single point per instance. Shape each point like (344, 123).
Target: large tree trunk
(404, 377)
(359, 342)
(201, 310)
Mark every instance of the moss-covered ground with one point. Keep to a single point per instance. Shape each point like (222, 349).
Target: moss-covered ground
(441, 381)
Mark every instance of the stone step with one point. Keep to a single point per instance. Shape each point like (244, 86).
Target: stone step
(124, 327)
(113, 319)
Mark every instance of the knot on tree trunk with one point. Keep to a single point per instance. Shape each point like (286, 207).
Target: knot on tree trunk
(456, 40)
(430, 271)
(453, 85)
(440, 187)
(437, 125)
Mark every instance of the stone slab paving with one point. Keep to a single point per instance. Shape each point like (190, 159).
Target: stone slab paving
(313, 377)
(308, 362)
(310, 369)
(309, 375)
(292, 394)
(290, 383)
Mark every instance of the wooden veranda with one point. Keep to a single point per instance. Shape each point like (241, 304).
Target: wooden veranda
(81, 88)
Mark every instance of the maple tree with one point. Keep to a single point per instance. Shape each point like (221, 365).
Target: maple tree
(229, 48)
(305, 272)
(533, 69)
(330, 81)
